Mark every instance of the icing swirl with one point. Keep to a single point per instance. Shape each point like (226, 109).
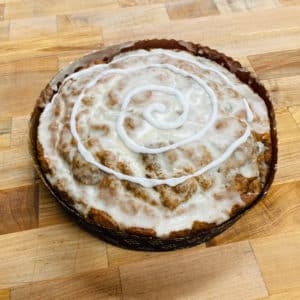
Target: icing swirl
(149, 112)
(131, 137)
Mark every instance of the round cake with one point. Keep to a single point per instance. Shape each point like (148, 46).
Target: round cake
(155, 144)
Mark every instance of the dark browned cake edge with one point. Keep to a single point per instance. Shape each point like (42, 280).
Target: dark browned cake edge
(139, 239)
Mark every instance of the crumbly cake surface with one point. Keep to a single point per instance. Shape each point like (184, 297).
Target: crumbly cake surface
(156, 141)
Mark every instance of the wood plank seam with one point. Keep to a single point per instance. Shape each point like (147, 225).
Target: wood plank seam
(260, 271)
(107, 256)
(277, 256)
(121, 283)
(184, 254)
(296, 121)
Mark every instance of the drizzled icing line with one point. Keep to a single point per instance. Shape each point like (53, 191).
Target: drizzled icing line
(140, 149)
(150, 182)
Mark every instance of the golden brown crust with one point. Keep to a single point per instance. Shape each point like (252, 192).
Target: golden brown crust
(45, 95)
(59, 189)
(100, 217)
(202, 226)
(248, 198)
(141, 231)
(180, 233)
(236, 209)
(42, 159)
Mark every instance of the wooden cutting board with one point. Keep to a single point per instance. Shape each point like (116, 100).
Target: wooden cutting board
(44, 255)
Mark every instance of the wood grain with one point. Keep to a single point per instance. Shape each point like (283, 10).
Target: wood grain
(130, 3)
(83, 40)
(5, 294)
(278, 260)
(29, 28)
(30, 76)
(15, 168)
(284, 91)
(290, 2)
(102, 284)
(44, 254)
(112, 17)
(287, 63)
(19, 131)
(290, 294)
(295, 111)
(190, 273)
(117, 256)
(18, 9)
(5, 132)
(50, 211)
(64, 60)
(236, 36)
(288, 147)
(225, 6)
(2, 7)
(191, 9)
(29, 66)
(4, 30)
(18, 209)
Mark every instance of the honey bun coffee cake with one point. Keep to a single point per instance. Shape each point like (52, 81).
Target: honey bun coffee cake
(156, 145)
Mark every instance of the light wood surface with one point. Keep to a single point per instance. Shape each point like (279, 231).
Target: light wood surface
(44, 255)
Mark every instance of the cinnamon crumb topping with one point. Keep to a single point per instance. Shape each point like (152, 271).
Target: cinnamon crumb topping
(139, 192)
(91, 142)
(124, 168)
(112, 99)
(129, 123)
(101, 127)
(106, 158)
(111, 183)
(84, 171)
(172, 156)
(205, 182)
(88, 100)
(221, 124)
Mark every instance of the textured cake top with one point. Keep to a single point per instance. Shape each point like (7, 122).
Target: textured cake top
(160, 140)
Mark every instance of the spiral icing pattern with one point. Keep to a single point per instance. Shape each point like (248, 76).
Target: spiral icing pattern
(148, 116)
(156, 139)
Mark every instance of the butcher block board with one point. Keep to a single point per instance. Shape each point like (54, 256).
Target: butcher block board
(45, 255)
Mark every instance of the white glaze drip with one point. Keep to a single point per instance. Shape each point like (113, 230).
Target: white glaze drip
(249, 113)
(150, 182)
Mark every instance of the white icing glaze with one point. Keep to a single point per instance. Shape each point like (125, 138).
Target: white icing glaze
(248, 111)
(221, 144)
(146, 182)
(156, 107)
